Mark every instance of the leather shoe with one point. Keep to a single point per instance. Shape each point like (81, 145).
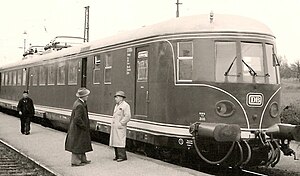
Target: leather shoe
(75, 165)
(120, 160)
(86, 162)
(115, 159)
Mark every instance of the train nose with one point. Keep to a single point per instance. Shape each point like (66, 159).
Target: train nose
(220, 132)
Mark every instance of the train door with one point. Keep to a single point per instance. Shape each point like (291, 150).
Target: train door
(83, 72)
(142, 83)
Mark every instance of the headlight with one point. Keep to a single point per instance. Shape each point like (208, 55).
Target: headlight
(274, 109)
(225, 108)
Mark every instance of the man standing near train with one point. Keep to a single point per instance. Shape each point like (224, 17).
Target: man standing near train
(26, 111)
(78, 140)
(121, 117)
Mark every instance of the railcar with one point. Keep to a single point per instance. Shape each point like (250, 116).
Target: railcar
(206, 84)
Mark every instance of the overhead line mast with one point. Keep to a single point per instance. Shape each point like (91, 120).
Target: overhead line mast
(86, 24)
(177, 11)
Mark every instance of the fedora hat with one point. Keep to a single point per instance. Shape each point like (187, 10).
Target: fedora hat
(120, 94)
(82, 92)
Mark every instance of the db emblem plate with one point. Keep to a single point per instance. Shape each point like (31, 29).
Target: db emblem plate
(255, 99)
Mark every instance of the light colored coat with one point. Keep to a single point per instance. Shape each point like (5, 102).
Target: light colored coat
(119, 122)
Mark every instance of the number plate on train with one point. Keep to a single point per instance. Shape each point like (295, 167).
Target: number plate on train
(255, 99)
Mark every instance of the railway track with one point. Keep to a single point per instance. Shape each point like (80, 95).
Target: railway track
(13, 163)
(251, 171)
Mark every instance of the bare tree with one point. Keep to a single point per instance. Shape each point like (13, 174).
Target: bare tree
(284, 69)
(295, 67)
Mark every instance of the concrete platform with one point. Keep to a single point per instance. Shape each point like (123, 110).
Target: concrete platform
(46, 146)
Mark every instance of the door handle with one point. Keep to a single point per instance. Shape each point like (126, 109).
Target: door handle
(147, 96)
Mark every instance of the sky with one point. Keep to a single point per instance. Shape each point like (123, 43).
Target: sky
(44, 19)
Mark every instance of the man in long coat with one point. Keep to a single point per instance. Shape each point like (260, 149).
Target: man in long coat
(78, 140)
(121, 117)
(26, 111)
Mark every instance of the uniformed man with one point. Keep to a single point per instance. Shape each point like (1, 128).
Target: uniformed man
(121, 117)
(26, 111)
(78, 140)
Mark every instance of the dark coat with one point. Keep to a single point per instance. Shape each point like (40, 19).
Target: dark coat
(78, 138)
(25, 105)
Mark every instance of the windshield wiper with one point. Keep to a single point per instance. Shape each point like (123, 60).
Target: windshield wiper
(275, 60)
(229, 68)
(251, 71)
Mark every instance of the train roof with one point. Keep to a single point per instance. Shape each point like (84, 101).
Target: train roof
(190, 24)
(219, 23)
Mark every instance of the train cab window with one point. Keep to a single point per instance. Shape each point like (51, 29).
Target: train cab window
(34, 76)
(42, 78)
(51, 74)
(107, 69)
(272, 65)
(226, 61)
(184, 61)
(72, 72)
(252, 62)
(97, 70)
(19, 78)
(61, 74)
(24, 77)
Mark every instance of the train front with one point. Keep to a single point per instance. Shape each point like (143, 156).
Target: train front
(235, 87)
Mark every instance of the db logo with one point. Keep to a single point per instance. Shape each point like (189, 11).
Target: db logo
(255, 99)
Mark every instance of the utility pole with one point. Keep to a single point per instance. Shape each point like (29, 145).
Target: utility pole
(25, 36)
(86, 24)
(177, 12)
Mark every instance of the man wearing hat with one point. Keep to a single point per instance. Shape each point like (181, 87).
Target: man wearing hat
(26, 111)
(121, 117)
(78, 140)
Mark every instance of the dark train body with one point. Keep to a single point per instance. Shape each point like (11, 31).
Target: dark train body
(209, 81)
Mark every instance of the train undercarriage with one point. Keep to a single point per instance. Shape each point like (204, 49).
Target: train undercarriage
(212, 144)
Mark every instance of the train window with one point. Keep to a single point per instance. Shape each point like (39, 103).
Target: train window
(10, 79)
(252, 59)
(142, 66)
(97, 70)
(97, 77)
(14, 81)
(107, 69)
(19, 80)
(97, 61)
(61, 74)
(51, 74)
(7, 79)
(272, 70)
(185, 61)
(42, 78)
(3, 79)
(226, 64)
(24, 77)
(34, 76)
(72, 73)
